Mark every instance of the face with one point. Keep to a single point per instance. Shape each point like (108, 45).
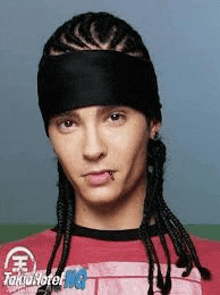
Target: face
(102, 151)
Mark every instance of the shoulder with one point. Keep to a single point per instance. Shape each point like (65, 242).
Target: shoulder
(209, 255)
(208, 250)
(34, 242)
(25, 255)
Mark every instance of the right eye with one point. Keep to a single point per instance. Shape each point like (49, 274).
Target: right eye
(66, 126)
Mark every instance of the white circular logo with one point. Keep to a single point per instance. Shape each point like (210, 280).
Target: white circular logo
(20, 260)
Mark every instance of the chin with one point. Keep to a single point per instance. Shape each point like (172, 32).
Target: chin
(100, 196)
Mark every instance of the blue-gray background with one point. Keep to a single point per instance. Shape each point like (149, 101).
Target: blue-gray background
(183, 38)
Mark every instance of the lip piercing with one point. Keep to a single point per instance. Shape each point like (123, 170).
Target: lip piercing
(111, 175)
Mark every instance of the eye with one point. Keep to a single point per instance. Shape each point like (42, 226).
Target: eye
(116, 118)
(66, 126)
(68, 123)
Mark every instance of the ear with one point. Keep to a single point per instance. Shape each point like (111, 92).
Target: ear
(154, 129)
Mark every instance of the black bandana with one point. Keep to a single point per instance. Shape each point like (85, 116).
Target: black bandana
(96, 77)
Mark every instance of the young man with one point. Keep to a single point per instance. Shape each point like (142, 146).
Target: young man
(99, 100)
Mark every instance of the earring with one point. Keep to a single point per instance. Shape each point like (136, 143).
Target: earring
(156, 135)
(150, 169)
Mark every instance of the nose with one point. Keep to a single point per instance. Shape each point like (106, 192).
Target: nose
(94, 147)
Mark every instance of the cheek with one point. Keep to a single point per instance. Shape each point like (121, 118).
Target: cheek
(139, 155)
(129, 148)
(66, 151)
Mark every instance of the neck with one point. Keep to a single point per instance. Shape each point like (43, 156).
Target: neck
(125, 213)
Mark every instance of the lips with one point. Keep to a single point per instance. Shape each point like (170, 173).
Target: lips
(95, 178)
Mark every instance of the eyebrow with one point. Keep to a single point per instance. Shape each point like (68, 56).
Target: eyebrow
(68, 113)
(104, 109)
(74, 112)
(109, 108)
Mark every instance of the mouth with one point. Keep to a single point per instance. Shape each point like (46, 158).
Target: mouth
(99, 172)
(101, 177)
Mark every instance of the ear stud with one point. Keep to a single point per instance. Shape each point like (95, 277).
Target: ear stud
(156, 135)
(150, 169)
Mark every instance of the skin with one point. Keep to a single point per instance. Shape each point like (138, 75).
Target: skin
(98, 138)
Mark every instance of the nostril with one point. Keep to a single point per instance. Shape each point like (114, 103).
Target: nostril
(94, 147)
(93, 156)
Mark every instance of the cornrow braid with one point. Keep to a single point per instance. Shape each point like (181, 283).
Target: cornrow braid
(65, 215)
(166, 220)
(96, 31)
(103, 31)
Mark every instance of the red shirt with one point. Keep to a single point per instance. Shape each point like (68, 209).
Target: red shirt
(114, 267)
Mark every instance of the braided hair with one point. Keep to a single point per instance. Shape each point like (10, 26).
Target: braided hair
(103, 31)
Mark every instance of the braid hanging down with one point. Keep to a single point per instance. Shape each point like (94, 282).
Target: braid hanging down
(103, 31)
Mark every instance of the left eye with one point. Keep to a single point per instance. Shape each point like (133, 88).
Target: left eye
(116, 119)
(115, 116)
(68, 123)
